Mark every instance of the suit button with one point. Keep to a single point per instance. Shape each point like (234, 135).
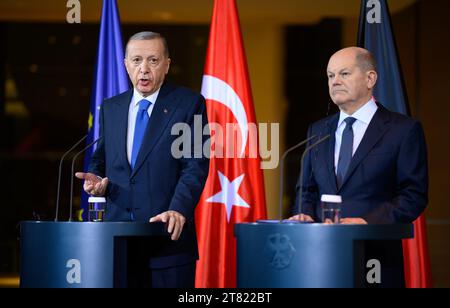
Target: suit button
(128, 209)
(133, 182)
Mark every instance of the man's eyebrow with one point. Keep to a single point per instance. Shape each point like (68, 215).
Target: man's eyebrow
(340, 71)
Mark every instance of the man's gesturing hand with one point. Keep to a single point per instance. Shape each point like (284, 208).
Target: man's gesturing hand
(93, 185)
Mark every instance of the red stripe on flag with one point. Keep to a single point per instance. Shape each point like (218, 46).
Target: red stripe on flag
(234, 191)
(416, 258)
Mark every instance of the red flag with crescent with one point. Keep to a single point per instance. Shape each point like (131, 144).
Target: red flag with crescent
(234, 191)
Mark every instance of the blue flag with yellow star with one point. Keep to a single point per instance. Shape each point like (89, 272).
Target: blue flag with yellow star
(110, 77)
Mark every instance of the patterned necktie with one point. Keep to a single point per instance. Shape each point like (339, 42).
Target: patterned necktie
(139, 129)
(346, 151)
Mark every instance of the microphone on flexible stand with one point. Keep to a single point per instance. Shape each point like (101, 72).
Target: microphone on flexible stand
(282, 172)
(301, 169)
(59, 173)
(73, 173)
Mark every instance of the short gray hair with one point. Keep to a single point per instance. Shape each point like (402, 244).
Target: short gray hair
(366, 61)
(147, 36)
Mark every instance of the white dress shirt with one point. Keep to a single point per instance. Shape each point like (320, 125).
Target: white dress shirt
(363, 117)
(132, 114)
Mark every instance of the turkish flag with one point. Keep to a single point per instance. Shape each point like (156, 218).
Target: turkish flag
(234, 191)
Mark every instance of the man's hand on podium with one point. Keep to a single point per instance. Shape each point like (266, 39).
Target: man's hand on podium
(174, 222)
(302, 217)
(353, 221)
(93, 184)
(344, 221)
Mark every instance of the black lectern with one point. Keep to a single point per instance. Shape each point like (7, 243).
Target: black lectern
(295, 255)
(78, 254)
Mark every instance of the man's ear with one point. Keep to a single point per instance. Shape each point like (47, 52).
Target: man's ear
(372, 77)
(168, 65)
(126, 63)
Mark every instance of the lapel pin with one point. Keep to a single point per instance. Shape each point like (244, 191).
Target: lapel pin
(165, 110)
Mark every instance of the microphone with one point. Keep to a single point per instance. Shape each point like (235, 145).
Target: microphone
(73, 173)
(280, 204)
(59, 174)
(301, 169)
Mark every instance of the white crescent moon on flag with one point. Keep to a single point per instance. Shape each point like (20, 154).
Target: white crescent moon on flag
(218, 90)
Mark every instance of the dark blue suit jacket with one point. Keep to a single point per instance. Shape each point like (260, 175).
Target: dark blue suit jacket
(159, 182)
(387, 180)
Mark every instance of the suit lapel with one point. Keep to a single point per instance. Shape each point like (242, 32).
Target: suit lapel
(332, 126)
(123, 106)
(163, 111)
(377, 128)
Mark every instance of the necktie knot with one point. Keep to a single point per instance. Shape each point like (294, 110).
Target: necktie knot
(349, 121)
(144, 104)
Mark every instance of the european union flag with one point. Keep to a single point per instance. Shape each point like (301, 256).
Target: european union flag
(110, 75)
(375, 34)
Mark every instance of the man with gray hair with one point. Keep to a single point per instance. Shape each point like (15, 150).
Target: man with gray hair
(134, 168)
(375, 159)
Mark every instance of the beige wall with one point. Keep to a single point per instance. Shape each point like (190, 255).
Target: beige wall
(433, 98)
(264, 48)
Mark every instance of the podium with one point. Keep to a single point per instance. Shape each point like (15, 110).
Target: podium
(78, 254)
(296, 255)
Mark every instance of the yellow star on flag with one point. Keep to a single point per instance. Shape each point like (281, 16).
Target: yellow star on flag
(90, 120)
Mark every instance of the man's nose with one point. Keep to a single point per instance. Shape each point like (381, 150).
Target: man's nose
(144, 67)
(336, 80)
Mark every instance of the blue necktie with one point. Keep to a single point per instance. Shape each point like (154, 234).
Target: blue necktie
(346, 151)
(139, 129)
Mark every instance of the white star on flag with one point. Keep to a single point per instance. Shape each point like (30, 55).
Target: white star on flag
(229, 194)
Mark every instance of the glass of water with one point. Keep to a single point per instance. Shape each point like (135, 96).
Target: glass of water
(97, 207)
(331, 208)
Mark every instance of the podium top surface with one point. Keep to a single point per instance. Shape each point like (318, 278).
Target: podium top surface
(112, 228)
(356, 232)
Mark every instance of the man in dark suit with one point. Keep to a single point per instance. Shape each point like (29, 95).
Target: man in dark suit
(375, 159)
(134, 167)
(386, 178)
